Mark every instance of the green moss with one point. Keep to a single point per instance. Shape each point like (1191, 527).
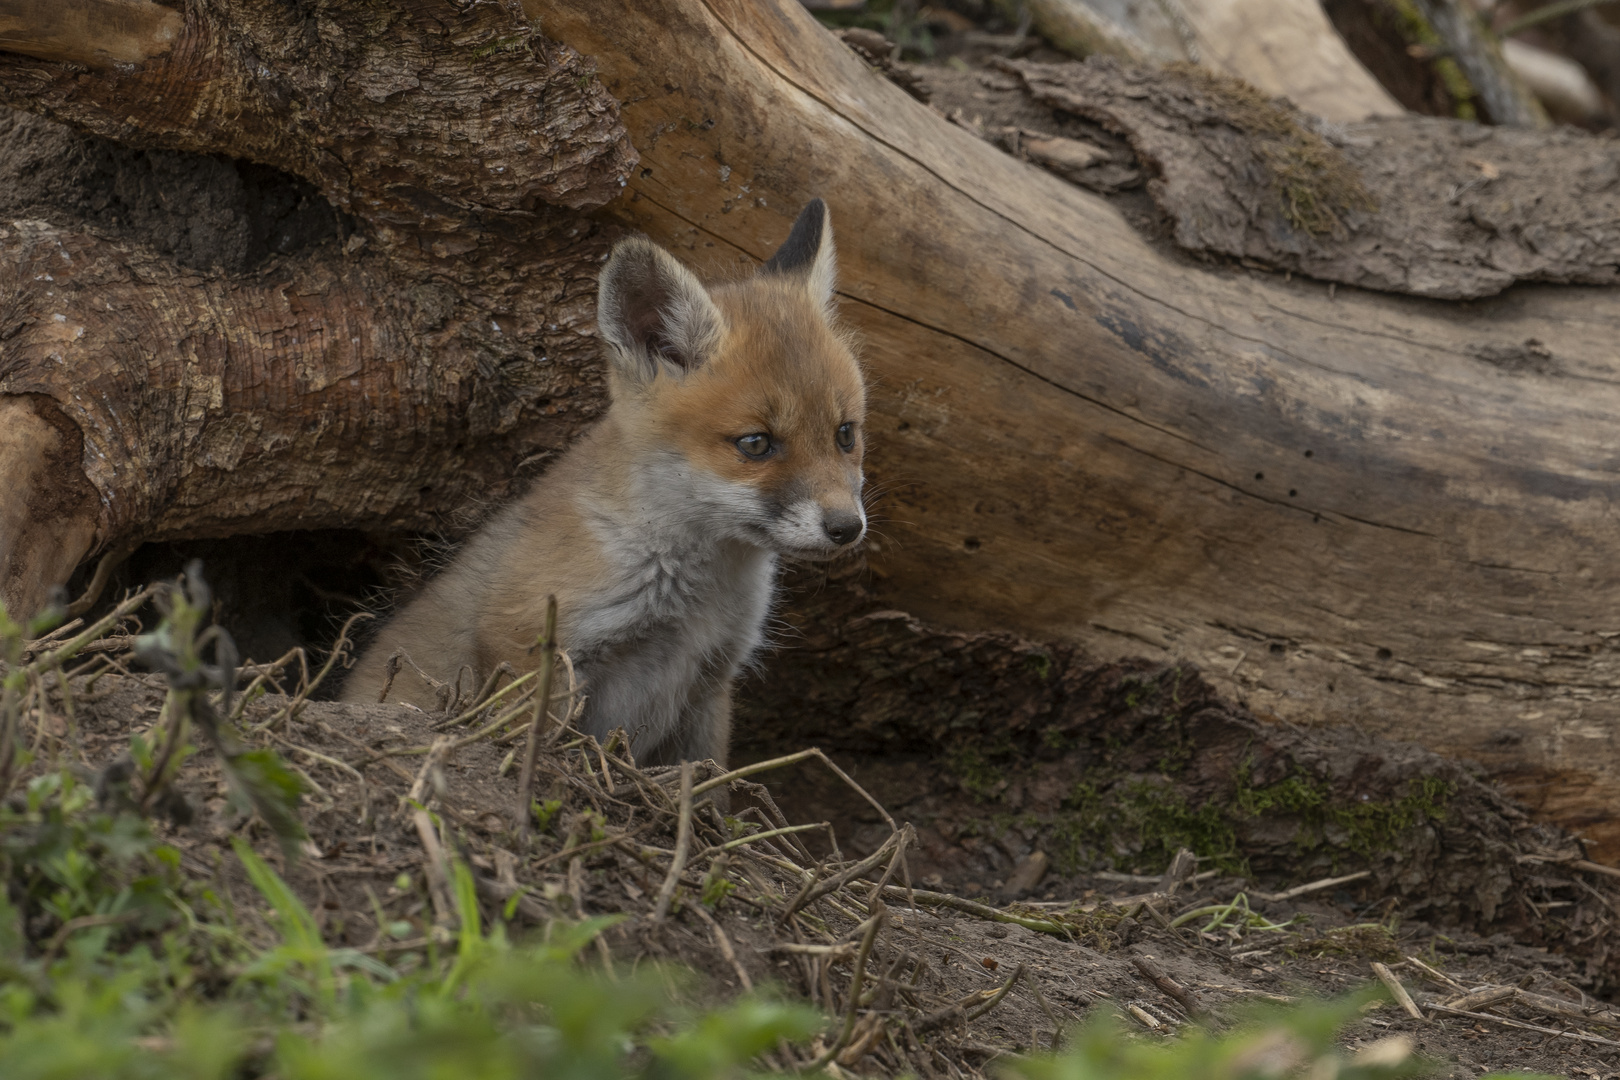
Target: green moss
(1416, 30)
(1139, 824)
(1364, 828)
(977, 774)
(1040, 664)
(1314, 183)
(1138, 691)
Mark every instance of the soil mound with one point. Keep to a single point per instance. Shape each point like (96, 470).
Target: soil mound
(713, 869)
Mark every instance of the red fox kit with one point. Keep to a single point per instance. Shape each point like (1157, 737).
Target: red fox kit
(734, 436)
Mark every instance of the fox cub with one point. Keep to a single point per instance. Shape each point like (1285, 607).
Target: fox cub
(734, 436)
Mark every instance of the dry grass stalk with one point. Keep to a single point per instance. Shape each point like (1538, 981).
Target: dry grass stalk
(1397, 990)
(1438, 976)
(683, 842)
(1562, 1033)
(542, 705)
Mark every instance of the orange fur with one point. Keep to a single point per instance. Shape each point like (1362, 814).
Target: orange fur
(658, 532)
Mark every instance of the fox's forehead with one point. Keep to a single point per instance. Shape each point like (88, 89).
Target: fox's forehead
(781, 357)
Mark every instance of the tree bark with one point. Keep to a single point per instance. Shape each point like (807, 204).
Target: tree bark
(390, 380)
(1337, 503)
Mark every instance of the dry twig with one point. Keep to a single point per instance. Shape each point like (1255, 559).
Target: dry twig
(548, 652)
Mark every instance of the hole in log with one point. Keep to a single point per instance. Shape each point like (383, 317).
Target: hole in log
(1259, 476)
(280, 590)
(1384, 654)
(971, 544)
(200, 211)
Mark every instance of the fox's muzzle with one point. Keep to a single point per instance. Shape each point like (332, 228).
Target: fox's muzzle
(843, 527)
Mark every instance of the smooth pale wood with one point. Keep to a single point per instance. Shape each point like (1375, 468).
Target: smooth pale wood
(48, 519)
(1081, 30)
(95, 33)
(1288, 48)
(1327, 501)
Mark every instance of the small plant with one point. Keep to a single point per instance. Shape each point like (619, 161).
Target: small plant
(115, 964)
(258, 779)
(1274, 1043)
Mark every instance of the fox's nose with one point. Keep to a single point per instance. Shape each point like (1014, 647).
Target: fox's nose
(842, 526)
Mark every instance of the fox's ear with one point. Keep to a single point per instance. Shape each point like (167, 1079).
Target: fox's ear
(808, 253)
(651, 310)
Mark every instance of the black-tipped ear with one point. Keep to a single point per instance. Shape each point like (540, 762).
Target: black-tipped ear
(808, 252)
(651, 311)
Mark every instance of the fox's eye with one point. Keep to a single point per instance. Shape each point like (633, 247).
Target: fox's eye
(757, 445)
(846, 437)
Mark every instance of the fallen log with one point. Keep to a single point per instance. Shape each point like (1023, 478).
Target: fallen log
(1339, 504)
(1346, 506)
(1412, 204)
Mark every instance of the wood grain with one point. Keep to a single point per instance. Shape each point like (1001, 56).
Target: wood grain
(1330, 502)
(95, 33)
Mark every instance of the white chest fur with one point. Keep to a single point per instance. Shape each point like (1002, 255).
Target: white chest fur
(680, 611)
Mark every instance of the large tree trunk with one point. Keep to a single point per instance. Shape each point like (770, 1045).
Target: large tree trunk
(1346, 506)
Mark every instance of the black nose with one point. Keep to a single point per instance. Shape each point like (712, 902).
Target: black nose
(842, 526)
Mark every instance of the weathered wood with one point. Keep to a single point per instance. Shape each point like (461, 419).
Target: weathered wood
(405, 115)
(1339, 505)
(1287, 48)
(1346, 507)
(325, 390)
(48, 519)
(95, 33)
(1081, 30)
(421, 367)
(1409, 204)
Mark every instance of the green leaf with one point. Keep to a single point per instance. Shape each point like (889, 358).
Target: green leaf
(266, 784)
(300, 935)
(723, 1041)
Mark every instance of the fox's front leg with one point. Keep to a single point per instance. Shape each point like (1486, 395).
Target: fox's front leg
(706, 733)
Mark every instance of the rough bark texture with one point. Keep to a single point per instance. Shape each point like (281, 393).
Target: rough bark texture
(1382, 510)
(240, 359)
(411, 114)
(1413, 204)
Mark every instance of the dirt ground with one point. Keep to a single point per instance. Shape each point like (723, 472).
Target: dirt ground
(1070, 944)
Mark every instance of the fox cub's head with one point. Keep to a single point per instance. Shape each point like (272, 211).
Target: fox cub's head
(747, 392)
